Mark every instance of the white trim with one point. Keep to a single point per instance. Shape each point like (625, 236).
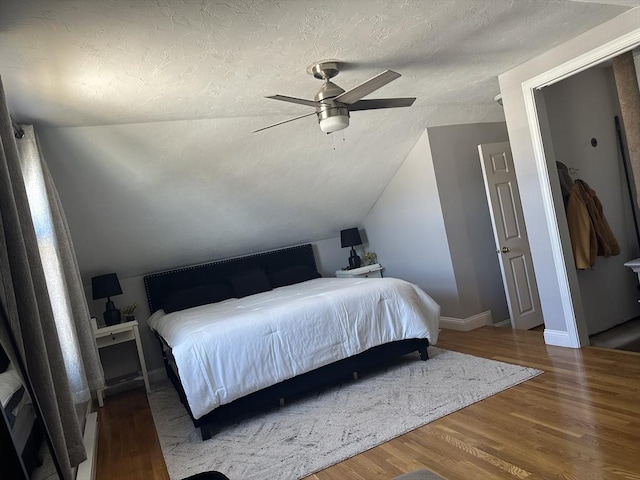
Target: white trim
(87, 469)
(154, 376)
(503, 323)
(624, 43)
(550, 212)
(557, 338)
(467, 324)
(587, 60)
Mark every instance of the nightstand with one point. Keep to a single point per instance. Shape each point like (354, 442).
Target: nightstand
(112, 335)
(369, 271)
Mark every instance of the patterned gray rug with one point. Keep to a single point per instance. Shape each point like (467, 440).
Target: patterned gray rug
(314, 433)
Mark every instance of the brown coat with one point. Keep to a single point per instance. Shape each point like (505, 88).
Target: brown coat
(590, 233)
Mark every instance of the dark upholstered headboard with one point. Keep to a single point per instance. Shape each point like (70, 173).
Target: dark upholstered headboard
(159, 285)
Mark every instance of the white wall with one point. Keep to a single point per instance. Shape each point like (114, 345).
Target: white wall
(554, 283)
(154, 195)
(580, 108)
(431, 225)
(330, 256)
(406, 230)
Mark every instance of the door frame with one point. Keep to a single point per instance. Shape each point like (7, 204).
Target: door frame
(575, 335)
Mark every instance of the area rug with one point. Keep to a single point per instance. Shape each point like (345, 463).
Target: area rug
(325, 428)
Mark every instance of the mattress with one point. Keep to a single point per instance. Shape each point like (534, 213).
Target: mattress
(12, 393)
(17, 406)
(227, 350)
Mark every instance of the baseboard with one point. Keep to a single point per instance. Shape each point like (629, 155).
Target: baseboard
(503, 323)
(87, 469)
(557, 338)
(467, 324)
(157, 375)
(154, 376)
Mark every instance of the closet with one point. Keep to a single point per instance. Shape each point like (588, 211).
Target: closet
(581, 113)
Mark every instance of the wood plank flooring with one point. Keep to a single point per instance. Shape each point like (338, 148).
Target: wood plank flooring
(128, 446)
(580, 420)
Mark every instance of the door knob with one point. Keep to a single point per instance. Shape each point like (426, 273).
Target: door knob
(505, 250)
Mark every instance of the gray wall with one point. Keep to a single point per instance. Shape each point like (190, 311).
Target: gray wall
(431, 225)
(580, 108)
(406, 229)
(466, 214)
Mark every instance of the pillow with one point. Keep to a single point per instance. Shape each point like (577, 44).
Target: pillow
(250, 283)
(291, 275)
(196, 296)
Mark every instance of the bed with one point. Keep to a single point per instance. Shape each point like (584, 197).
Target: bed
(20, 415)
(249, 332)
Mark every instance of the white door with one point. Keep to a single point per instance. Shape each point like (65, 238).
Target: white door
(512, 244)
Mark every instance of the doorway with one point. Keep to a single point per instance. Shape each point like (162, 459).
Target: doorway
(558, 286)
(580, 112)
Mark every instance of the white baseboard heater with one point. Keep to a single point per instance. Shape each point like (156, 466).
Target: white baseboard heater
(87, 469)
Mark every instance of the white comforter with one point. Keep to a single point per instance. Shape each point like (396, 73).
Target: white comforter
(230, 349)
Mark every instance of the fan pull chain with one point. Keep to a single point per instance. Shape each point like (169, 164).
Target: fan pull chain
(333, 140)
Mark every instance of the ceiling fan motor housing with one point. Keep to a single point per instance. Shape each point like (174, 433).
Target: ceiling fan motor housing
(332, 115)
(333, 104)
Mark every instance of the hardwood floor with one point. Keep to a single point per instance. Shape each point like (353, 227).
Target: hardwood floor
(128, 446)
(580, 420)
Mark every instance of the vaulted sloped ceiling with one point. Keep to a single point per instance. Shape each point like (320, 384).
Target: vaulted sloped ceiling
(144, 109)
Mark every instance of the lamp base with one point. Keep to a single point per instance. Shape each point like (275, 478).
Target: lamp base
(111, 316)
(354, 260)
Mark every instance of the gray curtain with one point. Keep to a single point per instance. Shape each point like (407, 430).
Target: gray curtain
(80, 314)
(29, 306)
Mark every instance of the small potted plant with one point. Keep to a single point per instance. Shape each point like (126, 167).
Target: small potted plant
(127, 312)
(369, 258)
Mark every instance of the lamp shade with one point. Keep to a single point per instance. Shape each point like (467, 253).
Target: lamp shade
(350, 237)
(104, 286)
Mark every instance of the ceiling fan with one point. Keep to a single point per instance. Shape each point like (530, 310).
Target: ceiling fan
(333, 104)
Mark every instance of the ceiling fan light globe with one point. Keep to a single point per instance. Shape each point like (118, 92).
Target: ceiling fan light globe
(334, 123)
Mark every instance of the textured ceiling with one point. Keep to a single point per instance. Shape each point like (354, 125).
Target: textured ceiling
(166, 93)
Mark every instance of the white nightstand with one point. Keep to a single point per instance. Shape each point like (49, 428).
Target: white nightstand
(122, 332)
(370, 271)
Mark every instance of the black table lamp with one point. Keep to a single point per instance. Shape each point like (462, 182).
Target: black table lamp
(106, 286)
(349, 238)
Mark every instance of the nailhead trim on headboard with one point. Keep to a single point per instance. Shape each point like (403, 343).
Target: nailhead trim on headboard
(159, 285)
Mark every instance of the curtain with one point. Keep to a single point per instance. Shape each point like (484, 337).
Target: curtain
(49, 318)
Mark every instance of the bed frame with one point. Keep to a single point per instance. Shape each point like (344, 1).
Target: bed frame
(159, 285)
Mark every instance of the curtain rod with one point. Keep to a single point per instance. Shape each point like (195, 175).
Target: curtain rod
(17, 131)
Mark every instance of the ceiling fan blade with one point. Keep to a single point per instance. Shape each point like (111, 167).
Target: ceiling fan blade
(300, 101)
(381, 103)
(285, 121)
(364, 89)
